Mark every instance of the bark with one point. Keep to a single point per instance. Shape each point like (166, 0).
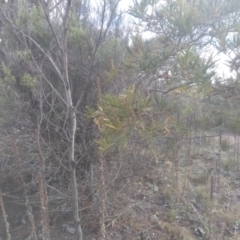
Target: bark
(73, 124)
(71, 111)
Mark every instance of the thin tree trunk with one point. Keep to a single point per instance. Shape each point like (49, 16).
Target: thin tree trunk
(73, 175)
(102, 179)
(4, 214)
(20, 169)
(103, 203)
(71, 113)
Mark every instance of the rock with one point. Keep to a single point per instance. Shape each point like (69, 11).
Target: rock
(68, 228)
(155, 188)
(24, 218)
(199, 232)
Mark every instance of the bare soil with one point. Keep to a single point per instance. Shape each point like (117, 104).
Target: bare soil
(188, 197)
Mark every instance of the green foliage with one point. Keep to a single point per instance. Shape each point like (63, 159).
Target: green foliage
(113, 48)
(194, 67)
(8, 96)
(173, 214)
(208, 122)
(224, 145)
(39, 27)
(201, 193)
(182, 16)
(31, 21)
(112, 74)
(234, 126)
(28, 81)
(78, 36)
(144, 55)
(229, 165)
(9, 79)
(118, 115)
(110, 57)
(23, 55)
(140, 8)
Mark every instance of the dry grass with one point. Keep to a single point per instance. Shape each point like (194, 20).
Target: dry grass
(151, 194)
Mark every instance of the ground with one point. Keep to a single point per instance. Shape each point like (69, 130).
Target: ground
(188, 196)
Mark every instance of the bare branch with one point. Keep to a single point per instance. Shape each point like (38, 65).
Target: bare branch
(170, 89)
(50, 24)
(34, 42)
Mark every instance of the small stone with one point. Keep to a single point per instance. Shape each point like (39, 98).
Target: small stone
(199, 231)
(69, 229)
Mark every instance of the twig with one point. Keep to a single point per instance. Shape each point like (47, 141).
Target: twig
(194, 209)
(44, 207)
(103, 203)
(5, 216)
(43, 191)
(170, 89)
(28, 206)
